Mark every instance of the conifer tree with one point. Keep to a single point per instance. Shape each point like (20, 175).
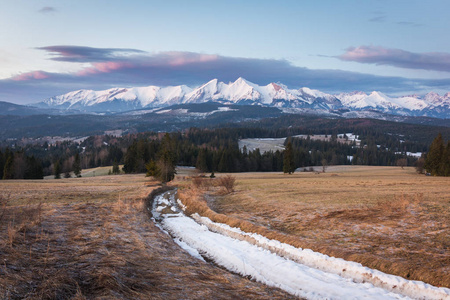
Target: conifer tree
(57, 170)
(202, 163)
(76, 167)
(115, 168)
(445, 161)
(130, 160)
(288, 159)
(8, 170)
(223, 165)
(434, 157)
(166, 164)
(152, 170)
(2, 164)
(34, 169)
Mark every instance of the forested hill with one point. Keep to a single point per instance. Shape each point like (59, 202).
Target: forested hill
(382, 143)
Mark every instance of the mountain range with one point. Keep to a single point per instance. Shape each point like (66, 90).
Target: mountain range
(244, 92)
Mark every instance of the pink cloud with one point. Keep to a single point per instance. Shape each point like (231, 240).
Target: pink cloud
(105, 67)
(436, 61)
(165, 59)
(31, 76)
(108, 67)
(185, 58)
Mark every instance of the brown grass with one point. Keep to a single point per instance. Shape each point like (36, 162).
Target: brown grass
(90, 239)
(227, 182)
(390, 219)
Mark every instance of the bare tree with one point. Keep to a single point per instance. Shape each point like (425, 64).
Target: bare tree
(420, 165)
(324, 165)
(402, 162)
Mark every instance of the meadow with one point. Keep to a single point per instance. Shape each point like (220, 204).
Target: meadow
(387, 218)
(92, 238)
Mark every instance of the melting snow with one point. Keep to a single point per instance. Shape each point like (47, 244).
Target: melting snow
(301, 272)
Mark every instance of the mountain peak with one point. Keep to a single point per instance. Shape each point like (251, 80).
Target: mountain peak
(275, 86)
(213, 81)
(242, 91)
(242, 81)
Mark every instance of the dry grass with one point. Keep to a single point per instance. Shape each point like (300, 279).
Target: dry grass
(386, 218)
(91, 239)
(223, 184)
(73, 190)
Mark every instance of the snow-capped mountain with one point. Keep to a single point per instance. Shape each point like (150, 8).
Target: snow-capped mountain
(245, 92)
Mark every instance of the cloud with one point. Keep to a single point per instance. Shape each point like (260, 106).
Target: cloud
(432, 61)
(31, 76)
(412, 24)
(378, 19)
(378, 16)
(169, 60)
(47, 9)
(86, 54)
(114, 67)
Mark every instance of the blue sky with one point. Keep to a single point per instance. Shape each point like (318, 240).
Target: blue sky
(53, 47)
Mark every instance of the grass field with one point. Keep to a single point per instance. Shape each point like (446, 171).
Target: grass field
(91, 238)
(99, 171)
(387, 218)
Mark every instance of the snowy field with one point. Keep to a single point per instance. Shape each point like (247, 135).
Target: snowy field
(300, 272)
(274, 144)
(263, 144)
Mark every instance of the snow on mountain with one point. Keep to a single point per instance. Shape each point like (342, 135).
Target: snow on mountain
(377, 100)
(314, 94)
(319, 99)
(233, 92)
(137, 97)
(433, 98)
(243, 91)
(437, 100)
(411, 102)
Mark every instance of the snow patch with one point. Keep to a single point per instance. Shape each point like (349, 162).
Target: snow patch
(301, 272)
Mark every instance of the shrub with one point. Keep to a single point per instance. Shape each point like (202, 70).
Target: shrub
(227, 182)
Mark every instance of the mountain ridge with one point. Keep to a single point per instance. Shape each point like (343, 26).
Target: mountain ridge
(245, 92)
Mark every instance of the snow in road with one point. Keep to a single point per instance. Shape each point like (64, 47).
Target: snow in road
(317, 277)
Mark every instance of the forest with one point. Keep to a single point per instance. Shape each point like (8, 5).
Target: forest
(211, 150)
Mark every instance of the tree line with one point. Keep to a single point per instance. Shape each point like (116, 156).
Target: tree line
(18, 165)
(209, 150)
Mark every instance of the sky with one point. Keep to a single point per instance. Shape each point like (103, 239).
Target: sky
(50, 47)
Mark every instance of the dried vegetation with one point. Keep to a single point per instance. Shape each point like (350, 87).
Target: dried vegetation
(389, 219)
(91, 239)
